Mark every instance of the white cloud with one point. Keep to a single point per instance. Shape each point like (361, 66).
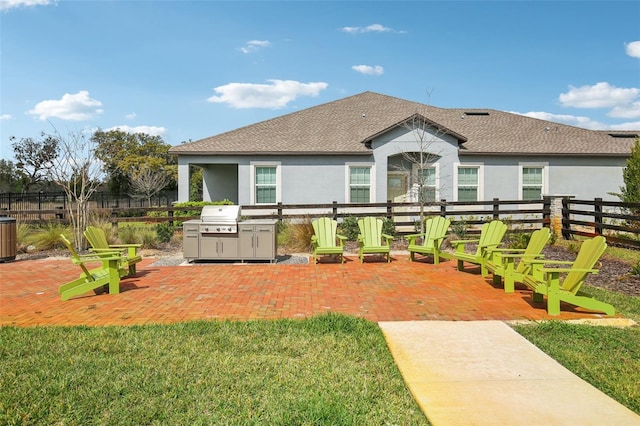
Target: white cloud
(572, 120)
(255, 45)
(631, 125)
(633, 49)
(374, 28)
(626, 111)
(276, 94)
(130, 116)
(76, 107)
(149, 130)
(368, 69)
(600, 95)
(6, 117)
(11, 4)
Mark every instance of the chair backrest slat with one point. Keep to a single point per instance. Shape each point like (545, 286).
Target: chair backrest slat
(536, 244)
(435, 227)
(325, 230)
(589, 254)
(491, 233)
(371, 231)
(75, 258)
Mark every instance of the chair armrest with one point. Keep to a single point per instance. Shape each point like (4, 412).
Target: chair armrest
(125, 245)
(414, 235)
(562, 270)
(509, 250)
(341, 237)
(548, 262)
(458, 242)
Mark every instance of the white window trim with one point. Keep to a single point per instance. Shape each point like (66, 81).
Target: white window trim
(414, 189)
(252, 178)
(480, 167)
(372, 183)
(545, 177)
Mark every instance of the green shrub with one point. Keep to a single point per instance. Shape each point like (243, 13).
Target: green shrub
(47, 237)
(129, 235)
(459, 228)
(165, 232)
(349, 228)
(148, 238)
(518, 240)
(388, 227)
(635, 270)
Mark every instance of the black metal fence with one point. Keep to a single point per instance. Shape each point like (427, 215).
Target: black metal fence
(58, 200)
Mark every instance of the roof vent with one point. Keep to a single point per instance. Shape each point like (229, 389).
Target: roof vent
(476, 113)
(623, 135)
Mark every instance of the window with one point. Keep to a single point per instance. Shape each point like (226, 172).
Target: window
(359, 184)
(265, 184)
(428, 178)
(468, 183)
(532, 183)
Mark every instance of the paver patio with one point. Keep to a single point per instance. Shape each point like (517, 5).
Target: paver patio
(378, 291)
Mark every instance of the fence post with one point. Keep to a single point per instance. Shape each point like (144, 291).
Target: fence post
(597, 215)
(443, 207)
(566, 224)
(496, 208)
(335, 210)
(389, 210)
(170, 214)
(280, 210)
(546, 212)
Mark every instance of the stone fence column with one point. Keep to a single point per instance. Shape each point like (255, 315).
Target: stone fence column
(556, 212)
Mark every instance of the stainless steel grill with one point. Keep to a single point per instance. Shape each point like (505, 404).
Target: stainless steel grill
(219, 219)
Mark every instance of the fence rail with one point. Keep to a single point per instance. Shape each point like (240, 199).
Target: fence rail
(602, 218)
(525, 214)
(618, 222)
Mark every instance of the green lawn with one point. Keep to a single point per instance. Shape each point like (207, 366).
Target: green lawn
(606, 357)
(330, 369)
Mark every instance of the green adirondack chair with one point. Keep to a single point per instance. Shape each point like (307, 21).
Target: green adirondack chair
(435, 231)
(107, 275)
(326, 240)
(371, 238)
(491, 235)
(502, 262)
(99, 243)
(544, 279)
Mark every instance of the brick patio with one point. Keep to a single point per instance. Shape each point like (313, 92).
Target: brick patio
(378, 291)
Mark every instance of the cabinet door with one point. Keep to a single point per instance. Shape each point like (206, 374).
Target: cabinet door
(228, 247)
(246, 242)
(190, 244)
(264, 244)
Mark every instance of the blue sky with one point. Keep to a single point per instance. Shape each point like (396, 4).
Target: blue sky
(186, 70)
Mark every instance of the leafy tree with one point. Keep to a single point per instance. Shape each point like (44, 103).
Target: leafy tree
(195, 183)
(126, 154)
(35, 157)
(630, 192)
(11, 179)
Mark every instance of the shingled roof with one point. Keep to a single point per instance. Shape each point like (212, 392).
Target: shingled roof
(345, 125)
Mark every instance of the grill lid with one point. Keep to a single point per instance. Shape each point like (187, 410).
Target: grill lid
(220, 214)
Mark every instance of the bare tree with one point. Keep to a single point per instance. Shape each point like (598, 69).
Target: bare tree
(146, 182)
(420, 159)
(77, 171)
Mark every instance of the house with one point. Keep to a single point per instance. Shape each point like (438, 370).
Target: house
(373, 148)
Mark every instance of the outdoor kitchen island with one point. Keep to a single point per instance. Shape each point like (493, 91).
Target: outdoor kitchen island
(219, 234)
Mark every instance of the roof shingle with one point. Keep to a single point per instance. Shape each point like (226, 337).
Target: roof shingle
(342, 127)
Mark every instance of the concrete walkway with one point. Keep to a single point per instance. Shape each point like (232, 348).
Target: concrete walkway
(484, 373)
